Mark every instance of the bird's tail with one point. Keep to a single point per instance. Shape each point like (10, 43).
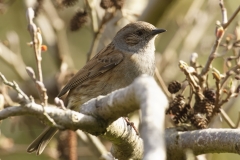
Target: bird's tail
(42, 140)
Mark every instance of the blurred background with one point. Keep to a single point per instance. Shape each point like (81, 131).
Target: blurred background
(190, 28)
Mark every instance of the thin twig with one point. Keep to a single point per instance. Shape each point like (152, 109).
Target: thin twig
(232, 17)
(191, 96)
(218, 91)
(224, 12)
(162, 83)
(37, 43)
(210, 58)
(188, 71)
(228, 75)
(219, 32)
(43, 92)
(15, 86)
(97, 34)
(228, 119)
(41, 89)
(97, 145)
(225, 100)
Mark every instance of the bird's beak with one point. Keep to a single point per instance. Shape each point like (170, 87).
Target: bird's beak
(157, 31)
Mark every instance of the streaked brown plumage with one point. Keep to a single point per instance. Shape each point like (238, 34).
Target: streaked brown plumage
(130, 54)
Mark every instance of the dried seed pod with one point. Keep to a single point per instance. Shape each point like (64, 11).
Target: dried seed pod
(118, 3)
(38, 7)
(198, 120)
(210, 95)
(176, 105)
(174, 87)
(69, 3)
(237, 77)
(182, 115)
(78, 20)
(237, 89)
(179, 109)
(204, 106)
(105, 4)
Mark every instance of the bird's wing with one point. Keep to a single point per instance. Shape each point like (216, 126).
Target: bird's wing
(105, 60)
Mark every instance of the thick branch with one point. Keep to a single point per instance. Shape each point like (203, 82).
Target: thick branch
(68, 119)
(202, 142)
(144, 92)
(99, 113)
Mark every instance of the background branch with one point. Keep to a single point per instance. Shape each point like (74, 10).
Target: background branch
(14, 60)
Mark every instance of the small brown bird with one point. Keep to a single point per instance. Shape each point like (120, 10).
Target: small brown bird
(130, 54)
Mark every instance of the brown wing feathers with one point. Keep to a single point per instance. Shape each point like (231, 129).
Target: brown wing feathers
(96, 66)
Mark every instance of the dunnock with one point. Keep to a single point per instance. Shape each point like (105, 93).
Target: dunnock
(130, 54)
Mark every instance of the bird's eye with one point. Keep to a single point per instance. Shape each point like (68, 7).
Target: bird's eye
(139, 32)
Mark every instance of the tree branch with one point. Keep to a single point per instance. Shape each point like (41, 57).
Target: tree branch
(202, 141)
(97, 115)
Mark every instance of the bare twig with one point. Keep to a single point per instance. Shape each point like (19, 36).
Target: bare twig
(15, 86)
(212, 54)
(219, 34)
(97, 33)
(217, 78)
(231, 18)
(42, 91)
(228, 119)
(37, 44)
(228, 75)
(36, 41)
(97, 144)
(224, 12)
(162, 83)
(189, 71)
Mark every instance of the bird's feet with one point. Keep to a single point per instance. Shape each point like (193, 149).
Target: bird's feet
(131, 124)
